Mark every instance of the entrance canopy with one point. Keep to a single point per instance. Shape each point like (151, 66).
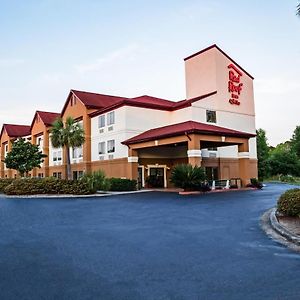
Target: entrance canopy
(183, 143)
(187, 128)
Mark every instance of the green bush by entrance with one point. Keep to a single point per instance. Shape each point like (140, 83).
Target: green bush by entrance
(187, 177)
(122, 185)
(289, 203)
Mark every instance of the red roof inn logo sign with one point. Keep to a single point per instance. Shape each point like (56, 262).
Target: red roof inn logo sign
(234, 84)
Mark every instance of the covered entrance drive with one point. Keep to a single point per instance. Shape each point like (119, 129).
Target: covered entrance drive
(158, 150)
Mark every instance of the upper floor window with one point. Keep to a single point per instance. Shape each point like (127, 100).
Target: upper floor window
(211, 116)
(101, 148)
(39, 141)
(73, 100)
(111, 146)
(111, 118)
(77, 152)
(101, 121)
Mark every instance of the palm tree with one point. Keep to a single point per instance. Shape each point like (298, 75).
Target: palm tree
(68, 134)
(298, 10)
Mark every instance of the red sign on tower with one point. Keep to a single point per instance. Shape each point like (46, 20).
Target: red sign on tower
(234, 84)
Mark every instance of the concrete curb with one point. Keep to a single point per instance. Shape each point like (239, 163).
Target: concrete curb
(60, 196)
(281, 229)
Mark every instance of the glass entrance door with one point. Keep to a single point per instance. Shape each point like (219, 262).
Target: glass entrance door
(212, 173)
(157, 177)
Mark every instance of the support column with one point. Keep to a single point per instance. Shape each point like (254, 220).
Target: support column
(133, 164)
(33, 142)
(194, 152)
(87, 150)
(46, 152)
(244, 163)
(1, 162)
(9, 171)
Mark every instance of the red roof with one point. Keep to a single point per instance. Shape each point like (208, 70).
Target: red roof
(93, 100)
(48, 117)
(16, 130)
(184, 128)
(151, 103)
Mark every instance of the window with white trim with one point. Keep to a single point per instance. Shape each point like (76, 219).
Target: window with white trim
(111, 118)
(77, 152)
(101, 148)
(101, 121)
(111, 146)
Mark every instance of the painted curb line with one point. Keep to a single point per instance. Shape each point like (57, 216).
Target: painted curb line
(281, 229)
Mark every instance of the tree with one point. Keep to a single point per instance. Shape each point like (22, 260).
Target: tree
(262, 153)
(284, 161)
(24, 157)
(68, 134)
(295, 141)
(298, 10)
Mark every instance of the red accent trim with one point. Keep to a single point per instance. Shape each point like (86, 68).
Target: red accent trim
(215, 46)
(185, 128)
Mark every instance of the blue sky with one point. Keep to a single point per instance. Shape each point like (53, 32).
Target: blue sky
(131, 48)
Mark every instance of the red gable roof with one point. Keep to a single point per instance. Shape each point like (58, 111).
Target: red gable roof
(184, 128)
(47, 117)
(16, 130)
(151, 103)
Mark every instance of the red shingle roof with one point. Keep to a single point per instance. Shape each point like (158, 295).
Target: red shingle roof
(146, 102)
(184, 128)
(93, 100)
(16, 130)
(48, 117)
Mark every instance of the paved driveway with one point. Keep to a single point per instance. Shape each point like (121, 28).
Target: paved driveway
(144, 246)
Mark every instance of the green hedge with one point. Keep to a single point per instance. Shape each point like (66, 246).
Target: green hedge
(34, 186)
(122, 185)
(289, 203)
(4, 183)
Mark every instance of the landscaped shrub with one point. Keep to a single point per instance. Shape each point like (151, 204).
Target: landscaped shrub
(122, 185)
(187, 177)
(255, 184)
(96, 181)
(4, 183)
(287, 178)
(35, 186)
(289, 203)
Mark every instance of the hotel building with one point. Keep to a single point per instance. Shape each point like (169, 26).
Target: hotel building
(145, 136)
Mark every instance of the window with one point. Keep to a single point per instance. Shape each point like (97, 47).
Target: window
(77, 152)
(39, 141)
(212, 149)
(101, 121)
(111, 118)
(54, 175)
(111, 146)
(59, 175)
(101, 148)
(211, 116)
(73, 100)
(59, 155)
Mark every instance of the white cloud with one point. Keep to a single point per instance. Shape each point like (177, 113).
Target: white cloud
(11, 62)
(112, 57)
